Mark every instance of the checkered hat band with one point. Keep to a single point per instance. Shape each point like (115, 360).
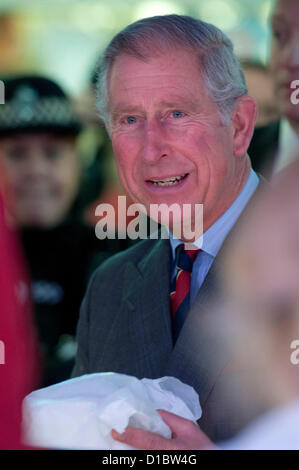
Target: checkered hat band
(47, 111)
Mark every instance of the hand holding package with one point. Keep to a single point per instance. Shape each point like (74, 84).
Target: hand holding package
(80, 413)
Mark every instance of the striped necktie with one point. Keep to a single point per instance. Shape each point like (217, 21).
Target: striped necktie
(180, 289)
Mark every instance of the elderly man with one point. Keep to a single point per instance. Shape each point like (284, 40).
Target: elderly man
(175, 104)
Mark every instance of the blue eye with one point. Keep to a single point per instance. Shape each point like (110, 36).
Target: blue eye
(131, 120)
(177, 114)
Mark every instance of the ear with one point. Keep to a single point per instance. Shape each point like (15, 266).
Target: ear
(243, 120)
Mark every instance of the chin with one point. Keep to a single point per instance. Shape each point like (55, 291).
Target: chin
(38, 221)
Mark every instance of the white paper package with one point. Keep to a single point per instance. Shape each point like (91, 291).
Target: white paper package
(79, 413)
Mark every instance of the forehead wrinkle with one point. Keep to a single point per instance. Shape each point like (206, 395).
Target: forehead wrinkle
(176, 93)
(190, 100)
(178, 102)
(191, 104)
(123, 108)
(149, 73)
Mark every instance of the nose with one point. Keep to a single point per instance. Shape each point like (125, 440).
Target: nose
(155, 145)
(36, 165)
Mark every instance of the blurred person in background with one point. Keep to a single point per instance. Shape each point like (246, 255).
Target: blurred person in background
(260, 87)
(19, 354)
(38, 144)
(284, 68)
(258, 313)
(261, 283)
(285, 71)
(264, 142)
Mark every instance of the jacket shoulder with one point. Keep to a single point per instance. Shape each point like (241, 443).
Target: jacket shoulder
(117, 262)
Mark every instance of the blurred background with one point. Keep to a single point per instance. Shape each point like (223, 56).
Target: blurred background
(63, 38)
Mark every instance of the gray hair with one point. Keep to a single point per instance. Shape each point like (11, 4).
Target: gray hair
(220, 68)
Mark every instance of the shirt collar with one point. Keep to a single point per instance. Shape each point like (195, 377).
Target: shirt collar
(211, 240)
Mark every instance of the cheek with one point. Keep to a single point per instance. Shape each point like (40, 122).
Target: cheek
(11, 171)
(279, 58)
(126, 151)
(16, 178)
(205, 139)
(273, 57)
(65, 174)
(275, 53)
(191, 143)
(206, 150)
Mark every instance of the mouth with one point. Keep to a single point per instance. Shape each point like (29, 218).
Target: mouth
(165, 182)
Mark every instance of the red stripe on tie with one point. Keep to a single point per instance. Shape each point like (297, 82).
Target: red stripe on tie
(184, 264)
(182, 289)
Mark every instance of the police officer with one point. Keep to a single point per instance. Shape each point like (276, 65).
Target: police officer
(38, 148)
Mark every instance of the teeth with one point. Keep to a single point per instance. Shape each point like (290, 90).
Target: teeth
(168, 181)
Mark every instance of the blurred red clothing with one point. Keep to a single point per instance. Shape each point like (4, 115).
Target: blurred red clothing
(19, 359)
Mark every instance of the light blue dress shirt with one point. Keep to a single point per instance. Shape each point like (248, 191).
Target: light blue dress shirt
(212, 239)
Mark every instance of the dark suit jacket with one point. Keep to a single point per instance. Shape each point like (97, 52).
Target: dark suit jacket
(125, 327)
(264, 147)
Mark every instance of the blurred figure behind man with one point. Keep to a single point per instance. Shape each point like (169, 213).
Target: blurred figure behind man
(277, 145)
(263, 145)
(263, 305)
(38, 142)
(19, 355)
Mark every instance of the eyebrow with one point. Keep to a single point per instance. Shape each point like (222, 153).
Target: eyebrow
(120, 109)
(177, 103)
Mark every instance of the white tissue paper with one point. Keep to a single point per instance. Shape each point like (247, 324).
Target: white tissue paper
(79, 413)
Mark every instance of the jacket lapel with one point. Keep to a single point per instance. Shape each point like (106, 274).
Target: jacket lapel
(201, 352)
(147, 309)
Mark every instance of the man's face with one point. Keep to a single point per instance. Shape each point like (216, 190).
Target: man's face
(285, 54)
(167, 136)
(43, 173)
